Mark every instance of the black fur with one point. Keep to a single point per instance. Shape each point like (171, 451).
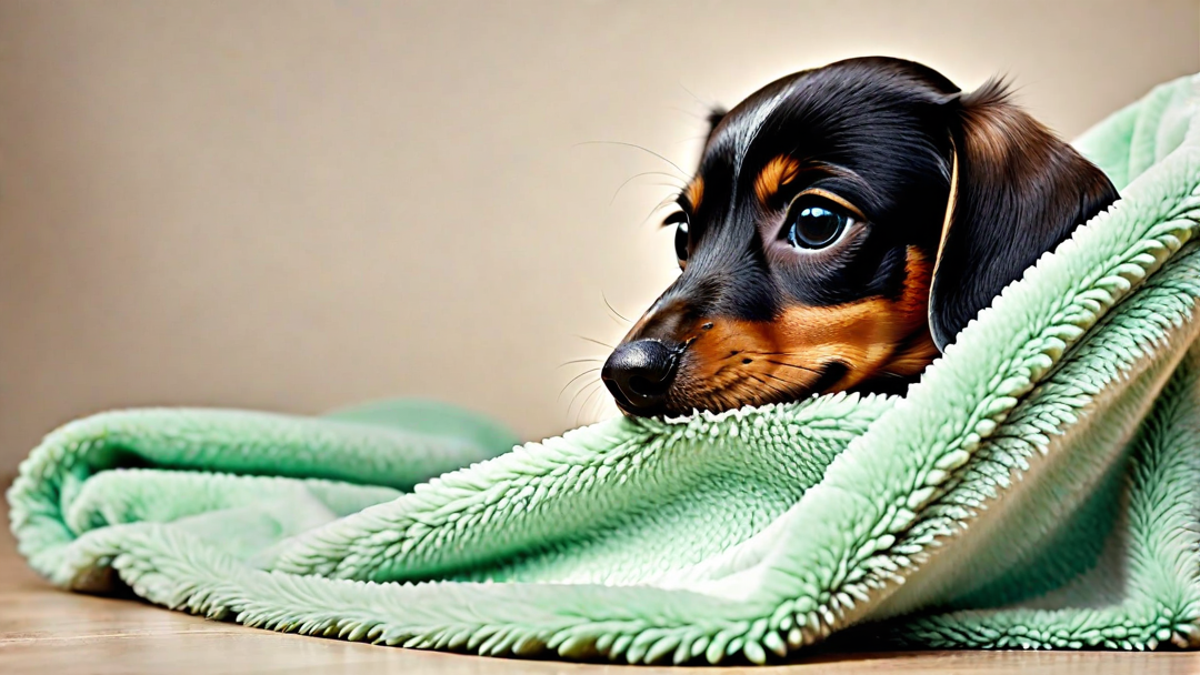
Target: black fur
(883, 120)
(888, 128)
(882, 134)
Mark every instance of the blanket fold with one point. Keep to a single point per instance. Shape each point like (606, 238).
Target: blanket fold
(1037, 488)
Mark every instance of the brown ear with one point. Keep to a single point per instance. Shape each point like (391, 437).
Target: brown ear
(1016, 192)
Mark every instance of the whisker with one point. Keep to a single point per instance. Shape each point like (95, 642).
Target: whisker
(689, 113)
(595, 341)
(727, 395)
(747, 352)
(590, 359)
(634, 177)
(670, 200)
(796, 366)
(770, 387)
(575, 379)
(638, 147)
(721, 392)
(579, 393)
(614, 309)
(594, 415)
(709, 105)
(779, 363)
(789, 383)
(579, 413)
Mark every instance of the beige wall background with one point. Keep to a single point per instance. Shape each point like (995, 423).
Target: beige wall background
(296, 205)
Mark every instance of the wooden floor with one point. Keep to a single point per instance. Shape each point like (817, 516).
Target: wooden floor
(44, 630)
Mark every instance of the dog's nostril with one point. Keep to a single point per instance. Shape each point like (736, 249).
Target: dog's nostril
(644, 387)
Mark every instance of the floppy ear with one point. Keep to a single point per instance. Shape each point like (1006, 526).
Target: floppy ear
(1016, 191)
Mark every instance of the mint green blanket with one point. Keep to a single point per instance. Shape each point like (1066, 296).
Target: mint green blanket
(1040, 487)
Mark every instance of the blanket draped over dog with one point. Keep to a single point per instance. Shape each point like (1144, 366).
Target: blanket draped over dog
(1040, 487)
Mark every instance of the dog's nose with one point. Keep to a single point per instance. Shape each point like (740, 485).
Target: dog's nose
(639, 374)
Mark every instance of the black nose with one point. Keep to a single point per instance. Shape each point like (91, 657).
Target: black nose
(639, 374)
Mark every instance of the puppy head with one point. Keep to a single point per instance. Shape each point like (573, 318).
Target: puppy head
(843, 224)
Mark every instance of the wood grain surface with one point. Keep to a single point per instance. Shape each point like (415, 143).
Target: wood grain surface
(45, 630)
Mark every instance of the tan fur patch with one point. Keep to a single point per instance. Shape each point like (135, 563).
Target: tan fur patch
(694, 192)
(777, 173)
(740, 362)
(836, 199)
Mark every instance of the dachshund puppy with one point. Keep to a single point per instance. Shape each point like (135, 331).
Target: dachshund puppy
(844, 224)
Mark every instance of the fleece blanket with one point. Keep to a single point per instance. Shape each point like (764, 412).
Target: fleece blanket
(1040, 487)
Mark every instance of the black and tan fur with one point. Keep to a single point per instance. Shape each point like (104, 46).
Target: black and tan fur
(951, 197)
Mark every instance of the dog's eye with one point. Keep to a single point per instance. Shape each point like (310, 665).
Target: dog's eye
(680, 219)
(815, 223)
(681, 242)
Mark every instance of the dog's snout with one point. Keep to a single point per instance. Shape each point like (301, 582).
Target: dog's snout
(639, 375)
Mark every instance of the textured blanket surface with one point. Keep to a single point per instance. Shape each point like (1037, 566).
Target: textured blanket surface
(1040, 487)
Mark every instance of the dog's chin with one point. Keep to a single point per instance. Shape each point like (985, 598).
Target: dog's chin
(655, 411)
(687, 408)
(745, 393)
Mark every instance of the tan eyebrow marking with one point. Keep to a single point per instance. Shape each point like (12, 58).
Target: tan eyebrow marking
(777, 173)
(694, 192)
(836, 199)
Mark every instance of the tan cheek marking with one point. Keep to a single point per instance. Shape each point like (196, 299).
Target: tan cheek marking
(918, 275)
(777, 173)
(695, 192)
(871, 336)
(919, 350)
